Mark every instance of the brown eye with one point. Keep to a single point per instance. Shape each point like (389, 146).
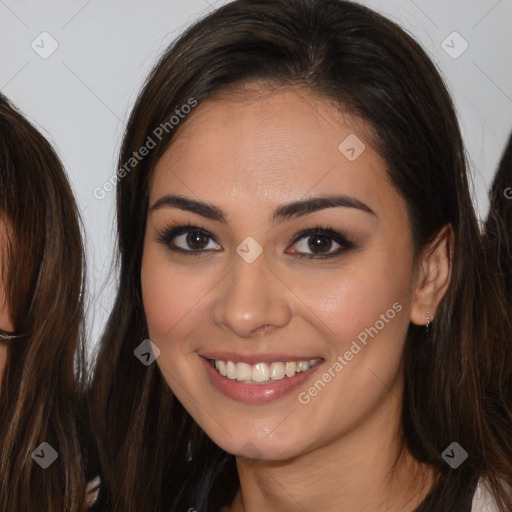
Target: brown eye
(319, 243)
(188, 239)
(197, 240)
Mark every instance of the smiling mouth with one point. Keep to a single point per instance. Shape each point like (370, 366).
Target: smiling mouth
(261, 373)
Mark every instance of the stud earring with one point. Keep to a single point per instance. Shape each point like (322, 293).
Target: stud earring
(427, 312)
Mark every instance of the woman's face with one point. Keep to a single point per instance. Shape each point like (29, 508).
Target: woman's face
(256, 170)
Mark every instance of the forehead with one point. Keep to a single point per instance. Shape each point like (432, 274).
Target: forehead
(276, 145)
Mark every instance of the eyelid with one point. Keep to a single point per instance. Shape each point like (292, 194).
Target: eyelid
(174, 230)
(170, 232)
(336, 236)
(324, 231)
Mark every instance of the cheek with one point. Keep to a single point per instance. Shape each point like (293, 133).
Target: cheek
(166, 294)
(173, 296)
(374, 300)
(365, 311)
(355, 298)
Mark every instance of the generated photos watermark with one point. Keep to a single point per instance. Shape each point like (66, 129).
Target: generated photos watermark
(305, 397)
(149, 144)
(45, 455)
(454, 455)
(147, 352)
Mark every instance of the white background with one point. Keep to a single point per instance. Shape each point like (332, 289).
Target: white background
(81, 95)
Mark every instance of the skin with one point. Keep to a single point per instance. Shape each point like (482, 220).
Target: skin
(5, 317)
(248, 152)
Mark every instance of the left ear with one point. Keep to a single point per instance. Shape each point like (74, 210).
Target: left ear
(433, 276)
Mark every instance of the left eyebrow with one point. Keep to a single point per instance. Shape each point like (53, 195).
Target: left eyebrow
(281, 213)
(307, 206)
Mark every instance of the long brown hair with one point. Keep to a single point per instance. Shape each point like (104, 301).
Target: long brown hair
(498, 225)
(457, 375)
(43, 279)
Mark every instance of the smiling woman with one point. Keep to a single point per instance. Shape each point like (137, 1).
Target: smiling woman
(318, 185)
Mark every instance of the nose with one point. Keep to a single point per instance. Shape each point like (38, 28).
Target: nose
(251, 299)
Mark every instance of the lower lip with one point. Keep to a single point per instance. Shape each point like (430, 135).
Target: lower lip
(257, 393)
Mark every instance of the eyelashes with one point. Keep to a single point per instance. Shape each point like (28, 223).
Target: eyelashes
(193, 235)
(323, 233)
(167, 236)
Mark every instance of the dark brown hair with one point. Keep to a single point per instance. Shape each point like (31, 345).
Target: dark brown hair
(457, 376)
(43, 280)
(498, 226)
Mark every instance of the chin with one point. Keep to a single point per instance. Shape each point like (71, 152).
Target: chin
(261, 449)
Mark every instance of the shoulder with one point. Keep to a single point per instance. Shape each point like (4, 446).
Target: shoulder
(483, 500)
(91, 492)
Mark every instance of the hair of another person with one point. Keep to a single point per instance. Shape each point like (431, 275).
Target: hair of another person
(498, 226)
(457, 375)
(43, 277)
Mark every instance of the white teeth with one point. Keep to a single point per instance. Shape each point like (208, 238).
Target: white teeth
(243, 371)
(277, 371)
(221, 367)
(290, 369)
(262, 372)
(231, 370)
(303, 366)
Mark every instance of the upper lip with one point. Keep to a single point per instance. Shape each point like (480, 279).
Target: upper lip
(256, 358)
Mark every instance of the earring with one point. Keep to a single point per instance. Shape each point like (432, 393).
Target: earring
(428, 318)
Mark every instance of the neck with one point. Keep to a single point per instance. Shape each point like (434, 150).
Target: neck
(366, 469)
